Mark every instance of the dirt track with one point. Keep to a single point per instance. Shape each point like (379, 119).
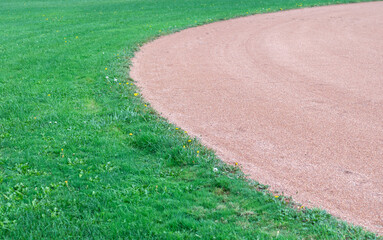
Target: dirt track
(295, 97)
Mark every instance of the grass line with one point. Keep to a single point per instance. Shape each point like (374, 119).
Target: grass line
(82, 156)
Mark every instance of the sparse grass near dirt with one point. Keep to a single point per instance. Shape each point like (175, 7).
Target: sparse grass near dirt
(82, 156)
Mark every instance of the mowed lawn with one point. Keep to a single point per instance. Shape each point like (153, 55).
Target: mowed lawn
(82, 156)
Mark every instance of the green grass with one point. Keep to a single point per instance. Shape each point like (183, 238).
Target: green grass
(69, 167)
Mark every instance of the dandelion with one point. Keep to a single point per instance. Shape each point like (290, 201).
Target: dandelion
(189, 140)
(183, 146)
(186, 131)
(215, 169)
(127, 83)
(136, 94)
(276, 196)
(62, 149)
(197, 151)
(66, 183)
(145, 105)
(106, 68)
(119, 83)
(177, 128)
(130, 134)
(49, 95)
(236, 164)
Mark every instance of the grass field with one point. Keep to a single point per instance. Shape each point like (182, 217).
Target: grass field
(82, 156)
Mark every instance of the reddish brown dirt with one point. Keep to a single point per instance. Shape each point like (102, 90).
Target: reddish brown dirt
(295, 97)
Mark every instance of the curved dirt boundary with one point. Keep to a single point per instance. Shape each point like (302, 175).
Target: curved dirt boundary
(295, 97)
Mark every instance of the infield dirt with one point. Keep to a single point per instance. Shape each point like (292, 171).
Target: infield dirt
(295, 97)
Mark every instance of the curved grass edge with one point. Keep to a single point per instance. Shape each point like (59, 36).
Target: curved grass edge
(81, 156)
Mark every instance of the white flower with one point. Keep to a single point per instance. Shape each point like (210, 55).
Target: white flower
(107, 77)
(115, 79)
(215, 169)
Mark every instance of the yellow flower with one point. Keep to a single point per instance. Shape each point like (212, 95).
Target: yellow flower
(177, 128)
(34, 117)
(76, 37)
(145, 105)
(183, 146)
(197, 151)
(236, 164)
(135, 94)
(130, 134)
(106, 68)
(119, 83)
(62, 149)
(49, 95)
(189, 140)
(127, 83)
(186, 132)
(277, 196)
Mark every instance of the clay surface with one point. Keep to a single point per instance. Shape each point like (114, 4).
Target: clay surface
(296, 97)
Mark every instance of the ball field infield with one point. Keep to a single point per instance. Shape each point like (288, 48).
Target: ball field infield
(83, 156)
(293, 97)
